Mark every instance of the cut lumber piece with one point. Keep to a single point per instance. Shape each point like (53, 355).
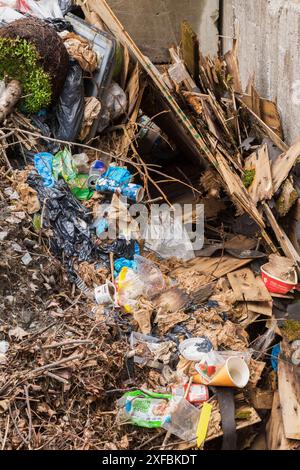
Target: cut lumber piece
(211, 268)
(261, 188)
(262, 308)
(247, 287)
(270, 115)
(282, 166)
(284, 241)
(262, 399)
(289, 393)
(276, 439)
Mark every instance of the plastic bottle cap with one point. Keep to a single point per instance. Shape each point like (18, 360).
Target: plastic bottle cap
(98, 165)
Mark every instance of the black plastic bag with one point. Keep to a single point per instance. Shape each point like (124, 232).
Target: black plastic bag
(70, 106)
(69, 222)
(59, 24)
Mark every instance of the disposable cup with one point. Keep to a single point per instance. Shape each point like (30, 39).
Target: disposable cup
(105, 294)
(234, 373)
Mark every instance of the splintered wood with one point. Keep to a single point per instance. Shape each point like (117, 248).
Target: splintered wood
(262, 187)
(289, 393)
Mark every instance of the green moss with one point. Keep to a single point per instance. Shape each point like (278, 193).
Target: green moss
(291, 330)
(19, 60)
(248, 179)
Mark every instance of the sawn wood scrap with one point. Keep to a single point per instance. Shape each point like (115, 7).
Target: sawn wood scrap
(247, 287)
(276, 439)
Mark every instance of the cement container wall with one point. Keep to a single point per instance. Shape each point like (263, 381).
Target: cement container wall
(270, 48)
(155, 24)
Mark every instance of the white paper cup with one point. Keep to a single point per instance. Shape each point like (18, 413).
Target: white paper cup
(105, 294)
(235, 373)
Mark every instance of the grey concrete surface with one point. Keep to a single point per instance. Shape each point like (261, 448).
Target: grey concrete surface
(155, 24)
(270, 48)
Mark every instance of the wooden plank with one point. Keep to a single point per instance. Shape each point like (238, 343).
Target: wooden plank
(247, 287)
(284, 241)
(276, 439)
(262, 399)
(282, 166)
(289, 393)
(190, 49)
(261, 188)
(262, 308)
(212, 268)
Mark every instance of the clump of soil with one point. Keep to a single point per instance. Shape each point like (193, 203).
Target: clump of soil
(54, 57)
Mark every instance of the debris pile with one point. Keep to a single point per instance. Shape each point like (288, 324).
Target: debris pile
(113, 320)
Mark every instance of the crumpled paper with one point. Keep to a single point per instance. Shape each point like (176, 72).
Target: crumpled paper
(81, 50)
(29, 198)
(91, 112)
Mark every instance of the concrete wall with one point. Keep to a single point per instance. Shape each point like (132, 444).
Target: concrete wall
(270, 48)
(155, 24)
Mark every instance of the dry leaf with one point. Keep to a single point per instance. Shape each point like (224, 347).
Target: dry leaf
(17, 333)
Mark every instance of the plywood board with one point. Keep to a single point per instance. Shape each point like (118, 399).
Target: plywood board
(289, 394)
(276, 439)
(247, 287)
(212, 268)
(262, 308)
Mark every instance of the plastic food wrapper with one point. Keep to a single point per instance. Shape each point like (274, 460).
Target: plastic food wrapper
(64, 167)
(114, 105)
(8, 14)
(196, 395)
(144, 409)
(146, 279)
(193, 349)
(118, 174)
(4, 346)
(182, 419)
(45, 8)
(151, 351)
(168, 237)
(43, 163)
(69, 110)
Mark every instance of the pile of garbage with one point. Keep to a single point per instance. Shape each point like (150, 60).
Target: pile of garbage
(182, 323)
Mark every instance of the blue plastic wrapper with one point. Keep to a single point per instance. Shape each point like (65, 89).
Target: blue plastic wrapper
(43, 163)
(121, 263)
(275, 356)
(118, 175)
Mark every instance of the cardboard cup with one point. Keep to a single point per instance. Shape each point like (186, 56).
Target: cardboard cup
(105, 294)
(235, 373)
